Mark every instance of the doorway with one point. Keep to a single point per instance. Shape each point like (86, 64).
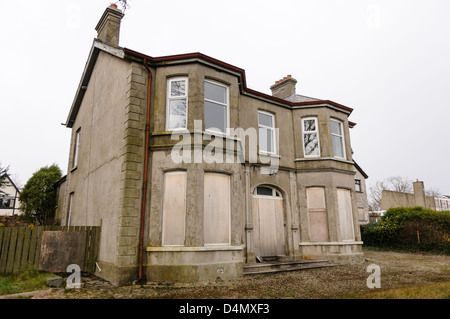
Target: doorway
(268, 222)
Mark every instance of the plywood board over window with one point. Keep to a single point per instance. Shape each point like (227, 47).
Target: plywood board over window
(173, 231)
(345, 214)
(318, 224)
(216, 209)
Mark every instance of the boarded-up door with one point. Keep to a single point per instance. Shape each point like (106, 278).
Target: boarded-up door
(268, 218)
(345, 214)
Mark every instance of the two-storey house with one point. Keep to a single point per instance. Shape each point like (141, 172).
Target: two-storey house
(192, 175)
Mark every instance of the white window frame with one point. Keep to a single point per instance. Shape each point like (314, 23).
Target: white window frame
(272, 129)
(275, 192)
(341, 136)
(358, 187)
(171, 98)
(70, 209)
(76, 149)
(227, 105)
(316, 131)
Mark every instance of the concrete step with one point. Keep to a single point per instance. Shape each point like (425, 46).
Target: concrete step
(274, 266)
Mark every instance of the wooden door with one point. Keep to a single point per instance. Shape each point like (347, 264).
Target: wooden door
(269, 234)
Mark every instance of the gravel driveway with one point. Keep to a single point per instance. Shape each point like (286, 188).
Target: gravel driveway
(397, 270)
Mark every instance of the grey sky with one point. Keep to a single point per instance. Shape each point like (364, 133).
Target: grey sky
(388, 60)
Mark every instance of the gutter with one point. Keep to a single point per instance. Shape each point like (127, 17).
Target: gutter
(145, 174)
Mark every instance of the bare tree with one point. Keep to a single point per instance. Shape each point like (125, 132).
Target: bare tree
(394, 183)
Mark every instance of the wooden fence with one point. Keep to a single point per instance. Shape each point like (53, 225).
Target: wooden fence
(20, 247)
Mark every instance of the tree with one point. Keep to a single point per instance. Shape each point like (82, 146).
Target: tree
(38, 196)
(3, 179)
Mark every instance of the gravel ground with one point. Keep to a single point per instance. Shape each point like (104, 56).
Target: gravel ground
(397, 270)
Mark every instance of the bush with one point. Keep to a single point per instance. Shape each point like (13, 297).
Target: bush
(415, 229)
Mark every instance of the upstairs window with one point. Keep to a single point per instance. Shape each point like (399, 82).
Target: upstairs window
(177, 101)
(266, 126)
(76, 148)
(337, 138)
(358, 185)
(310, 137)
(216, 107)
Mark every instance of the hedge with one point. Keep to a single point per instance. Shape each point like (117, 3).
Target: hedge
(415, 228)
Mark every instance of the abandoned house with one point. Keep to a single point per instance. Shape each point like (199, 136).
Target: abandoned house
(192, 175)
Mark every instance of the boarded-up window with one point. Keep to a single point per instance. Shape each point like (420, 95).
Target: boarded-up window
(345, 214)
(174, 209)
(318, 225)
(216, 209)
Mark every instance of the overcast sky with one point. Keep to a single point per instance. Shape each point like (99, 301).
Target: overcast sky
(388, 60)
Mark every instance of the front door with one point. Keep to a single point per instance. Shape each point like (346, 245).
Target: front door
(268, 223)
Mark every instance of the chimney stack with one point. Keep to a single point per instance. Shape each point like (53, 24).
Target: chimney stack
(108, 28)
(284, 87)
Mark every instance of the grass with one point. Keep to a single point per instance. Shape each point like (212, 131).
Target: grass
(29, 279)
(431, 291)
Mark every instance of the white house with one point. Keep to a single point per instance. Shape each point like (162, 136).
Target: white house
(9, 199)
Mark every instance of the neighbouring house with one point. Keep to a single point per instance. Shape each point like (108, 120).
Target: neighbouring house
(192, 175)
(361, 194)
(9, 199)
(442, 202)
(390, 199)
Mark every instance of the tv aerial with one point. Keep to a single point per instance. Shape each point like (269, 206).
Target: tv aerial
(123, 4)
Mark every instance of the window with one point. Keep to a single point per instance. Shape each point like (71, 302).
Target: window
(358, 185)
(216, 211)
(266, 125)
(318, 225)
(337, 138)
(76, 148)
(310, 137)
(177, 101)
(267, 191)
(6, 202)
(345, 214)
(216, 107)
(69, 211)
(174, 208)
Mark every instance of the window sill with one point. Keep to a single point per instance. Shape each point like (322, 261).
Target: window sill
(260, 153)
(73, 169)
(187, 249)
(306, 159)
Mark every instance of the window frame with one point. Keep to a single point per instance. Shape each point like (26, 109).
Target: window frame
(227, 105)
(316, 131)
(170, 98)
(358, 187)
(70, 209)
(76, 149)
(272, 129)
(341, 136)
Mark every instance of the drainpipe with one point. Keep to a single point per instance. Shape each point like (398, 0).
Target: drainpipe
(144, 182)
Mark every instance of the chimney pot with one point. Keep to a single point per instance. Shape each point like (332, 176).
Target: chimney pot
(284, 87)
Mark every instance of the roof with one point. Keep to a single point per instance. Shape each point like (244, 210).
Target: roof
(360, 170)
(296, 101)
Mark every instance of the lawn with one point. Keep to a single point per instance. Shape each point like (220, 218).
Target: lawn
(27, 280)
